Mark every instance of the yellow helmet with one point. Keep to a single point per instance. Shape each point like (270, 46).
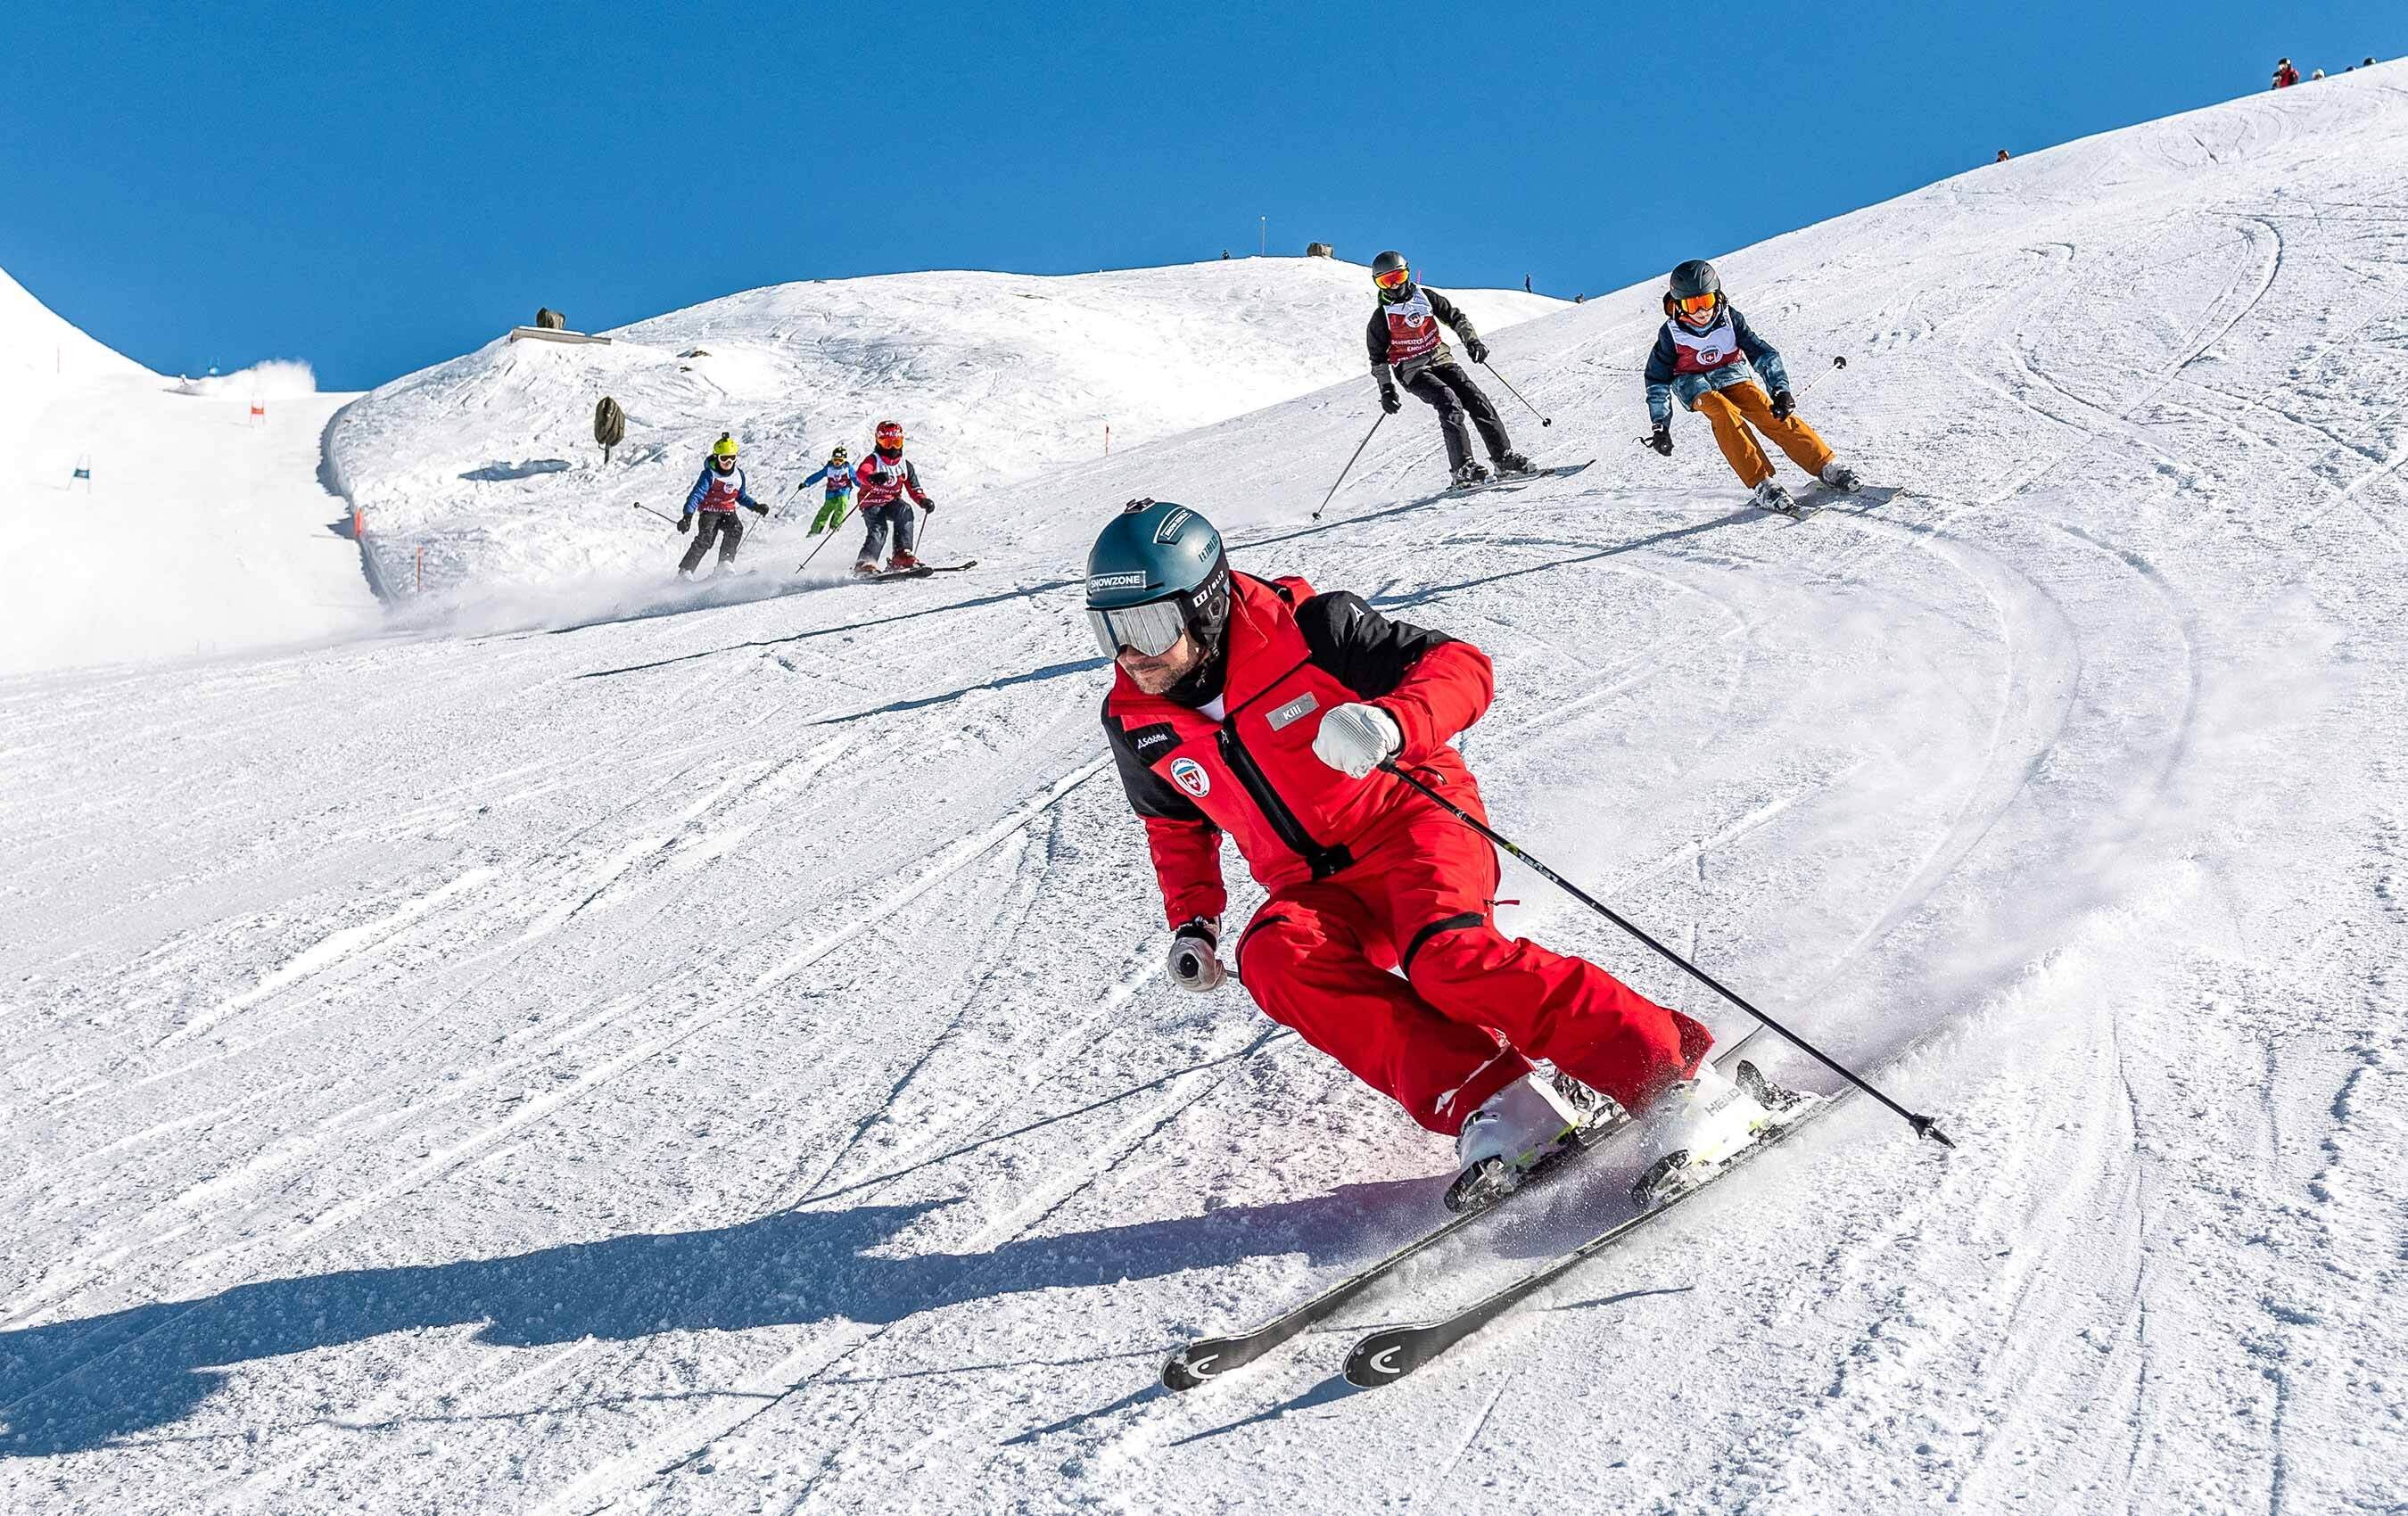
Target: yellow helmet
(724, 447)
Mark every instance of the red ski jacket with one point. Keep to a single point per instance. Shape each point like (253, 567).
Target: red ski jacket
(1293, 657)
(883, 482)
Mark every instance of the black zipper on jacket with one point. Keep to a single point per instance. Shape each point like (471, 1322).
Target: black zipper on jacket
(1324, 862)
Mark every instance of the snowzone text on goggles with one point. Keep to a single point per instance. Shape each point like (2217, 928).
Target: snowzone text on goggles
(1153, 628)
(1393, 279)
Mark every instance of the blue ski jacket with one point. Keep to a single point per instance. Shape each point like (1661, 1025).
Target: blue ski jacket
(719, 492)
(1670, 376)
(840, 480)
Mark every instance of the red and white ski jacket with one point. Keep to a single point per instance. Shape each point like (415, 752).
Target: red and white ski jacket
(882, 483)
(1294, 656)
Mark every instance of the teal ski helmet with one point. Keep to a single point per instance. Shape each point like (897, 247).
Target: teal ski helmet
(1156, 570)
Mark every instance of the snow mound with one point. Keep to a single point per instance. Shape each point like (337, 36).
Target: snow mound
(489, 460)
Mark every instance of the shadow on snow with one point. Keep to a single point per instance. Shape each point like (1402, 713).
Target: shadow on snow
(76, 1385)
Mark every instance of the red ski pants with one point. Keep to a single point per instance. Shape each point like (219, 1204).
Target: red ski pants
(1317, 956)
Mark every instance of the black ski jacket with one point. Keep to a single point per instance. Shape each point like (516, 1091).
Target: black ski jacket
(1375, 336)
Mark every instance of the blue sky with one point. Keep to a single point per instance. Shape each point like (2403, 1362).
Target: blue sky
(374, 188)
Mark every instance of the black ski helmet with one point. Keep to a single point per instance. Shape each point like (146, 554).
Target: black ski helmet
(1696, 277)
(1690, 279)
(1158, 552)
(1393, 261)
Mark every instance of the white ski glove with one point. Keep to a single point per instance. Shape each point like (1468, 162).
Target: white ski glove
(1353, 740)
(1195, 963)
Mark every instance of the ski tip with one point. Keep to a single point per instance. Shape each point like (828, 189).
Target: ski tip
(1176, 1376)
(1382, 1358)
(1194, 1364)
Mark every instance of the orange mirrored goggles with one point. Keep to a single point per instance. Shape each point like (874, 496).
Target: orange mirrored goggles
(1697, 305)
(1395, 278)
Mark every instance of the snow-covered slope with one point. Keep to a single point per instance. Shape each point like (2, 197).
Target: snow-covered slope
(198, 529)
(489, 461)
(719, 1061)
(40, 355)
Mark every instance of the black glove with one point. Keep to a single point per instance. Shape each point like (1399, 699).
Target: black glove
(685, 523)
(929, 508)
(1661, 440)
(1194, 965)
(758, 510)
(1783, 404)
(1389, 400)
(1475, 350)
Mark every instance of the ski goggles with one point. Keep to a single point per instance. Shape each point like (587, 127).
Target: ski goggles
(1395, 278)
(1153, 629)
(1697, 305)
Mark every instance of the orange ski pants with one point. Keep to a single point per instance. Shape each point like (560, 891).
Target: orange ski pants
(1731, 411)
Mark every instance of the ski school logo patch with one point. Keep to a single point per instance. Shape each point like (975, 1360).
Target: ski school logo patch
(1710, 356)
(1189, 776)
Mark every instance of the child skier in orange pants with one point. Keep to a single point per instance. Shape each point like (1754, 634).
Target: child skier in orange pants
(1710, 359)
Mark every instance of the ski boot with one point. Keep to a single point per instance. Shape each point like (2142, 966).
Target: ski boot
(1521, 1129)
(902, 562)
(1840, 477)
(1510, 463)
(1703, 1122)
(1770, 496)
(1469, 472)
(864, 568)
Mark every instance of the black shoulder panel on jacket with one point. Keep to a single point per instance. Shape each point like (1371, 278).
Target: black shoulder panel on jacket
(1375, 337)
(1367, 652)
(1149, 792)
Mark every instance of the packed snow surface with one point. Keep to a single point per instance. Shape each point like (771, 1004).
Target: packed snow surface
(720, 1061)
(489, 461)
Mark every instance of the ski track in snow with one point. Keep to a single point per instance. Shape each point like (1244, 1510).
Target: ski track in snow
(710, 1054)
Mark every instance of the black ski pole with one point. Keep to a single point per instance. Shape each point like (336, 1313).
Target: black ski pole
(1544, 419)
(831, 537)
(650, 512)
(1350, 466)
(1924, 1126)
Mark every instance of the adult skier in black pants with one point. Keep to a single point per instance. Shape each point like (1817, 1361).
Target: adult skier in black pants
(1404, 336)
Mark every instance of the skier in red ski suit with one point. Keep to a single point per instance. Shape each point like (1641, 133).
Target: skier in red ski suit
(1261, 709)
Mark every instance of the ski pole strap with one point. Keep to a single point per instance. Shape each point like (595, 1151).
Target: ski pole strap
(1924, 1126)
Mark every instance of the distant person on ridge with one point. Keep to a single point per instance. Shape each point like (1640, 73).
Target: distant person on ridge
(886, 477)
(1708, 357)
(2284, 75)
(713, 499)
(1404, 337)
(836, 501)
(2002, 157)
